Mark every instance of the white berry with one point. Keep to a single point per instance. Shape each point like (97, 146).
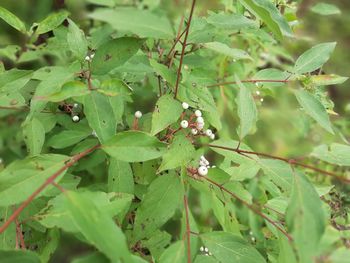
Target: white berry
(261, 99)
(208, 132)
(138, 114)
(75, 118)
(194, 131)
(184, 124)
(185, 105)
(212, 136)
(257, 92)
(92, 55)
(202, 170)
(201, 248)
(200, 120)
(87, 58)
(198, 113)
(206, 250)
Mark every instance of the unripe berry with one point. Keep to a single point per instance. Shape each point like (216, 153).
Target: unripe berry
(185, 105)
(194, 131)
(200, 120)
(138, 114)
(75, 118)
(198, 113)
(200, 126)
(202, 170)
(208, 132)
(184, 124)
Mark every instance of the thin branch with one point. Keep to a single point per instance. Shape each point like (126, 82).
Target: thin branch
(49, 181)
(249, 81)
(250, 207)
(188, 230)
(183, 49)
(290, 161)
(178, 37)
(20, 235)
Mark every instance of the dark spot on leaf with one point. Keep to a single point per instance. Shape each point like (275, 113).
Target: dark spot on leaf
(108, 57)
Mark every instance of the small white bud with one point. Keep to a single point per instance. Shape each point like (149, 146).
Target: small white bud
(185, 105)
(208, 132)
(138, 114)
(214, 166)
(94, 134)
(202, 170)
(206, 249)
(210, 254)
(184, 124)
(87, 58)
(200, 120)
(194, 131)
(257, 84)
(75, 105)
(186, 67)
(92, 55)
(261, 100)
(201, 248)
(257, 92)
(75, 118)
(198, 113)
(212, 136)
(200, 126)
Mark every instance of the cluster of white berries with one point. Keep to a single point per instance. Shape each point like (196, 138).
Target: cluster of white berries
(199, 123)
(138, 114)
(90, 57)
(205, 250)
(203, 166)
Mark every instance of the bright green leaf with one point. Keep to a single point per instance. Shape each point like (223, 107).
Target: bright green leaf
(338, 154)
(12, 20)
(34, 136)
(51, 22)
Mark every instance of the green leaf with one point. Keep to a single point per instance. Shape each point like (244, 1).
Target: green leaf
(158, 205)
(224, 49)
(16, 256)
(314, 108)
(338, 154)
(166, 112)
(70, 89)
(175, 253)
(76, 41)
(247, 111)
(134, 146)
(26, 175)
(55, 214)
(12, 20)
(8, 237)
(164, 72)
(94, 257)
(51, 22)
(100, 115)
(279, 172)
(271, 74)
(114, 53)
(88, 217)
(179, 153)
(231, 21)
(114, 87)
(323, 80)
(269, 14)
(325, 9)
(224, 245)
(120, 177)
(140, 22)
(314, 58)
(34, 136)
(67, 138)
(305, 218)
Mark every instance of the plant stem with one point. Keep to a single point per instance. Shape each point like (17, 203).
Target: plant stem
(183, 49)
(249, 81)
(289, 161)
(49, 181)
(188, 230)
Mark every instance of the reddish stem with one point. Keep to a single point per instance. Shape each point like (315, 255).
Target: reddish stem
(290, 161)
(49, 181)
(183, 49)
(188, 230)
(250, 207)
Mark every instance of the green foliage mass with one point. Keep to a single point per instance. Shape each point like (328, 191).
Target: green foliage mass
(111, 109)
